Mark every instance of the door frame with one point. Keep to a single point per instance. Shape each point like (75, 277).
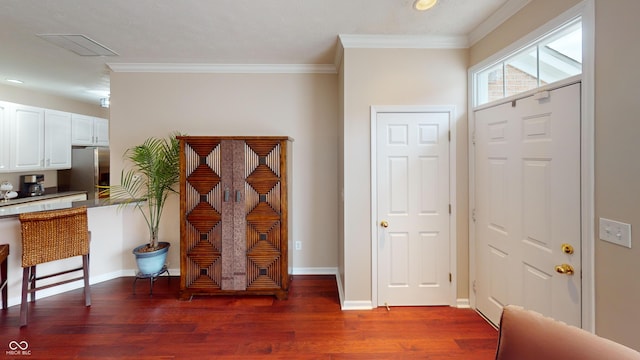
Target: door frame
(451, 111)
(585, 9)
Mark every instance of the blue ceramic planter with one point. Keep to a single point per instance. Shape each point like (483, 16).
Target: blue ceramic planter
(151, 263)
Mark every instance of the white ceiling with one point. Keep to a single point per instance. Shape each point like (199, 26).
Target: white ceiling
(273, 32)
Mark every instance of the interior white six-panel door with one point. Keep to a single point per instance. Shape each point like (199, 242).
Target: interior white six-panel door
(527, 187)
(413, 208)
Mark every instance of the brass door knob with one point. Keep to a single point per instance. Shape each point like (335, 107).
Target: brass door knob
(565, 269)
(567, 248)
(384, 224)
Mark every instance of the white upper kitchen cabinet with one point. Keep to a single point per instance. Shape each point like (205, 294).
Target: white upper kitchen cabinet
(89, 131)
(57, 140)
(28, 138)
(39, 139)
(101, 131)
(5, 137)
(81, 129)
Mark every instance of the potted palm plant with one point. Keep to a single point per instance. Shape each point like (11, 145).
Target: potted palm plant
(152, 176)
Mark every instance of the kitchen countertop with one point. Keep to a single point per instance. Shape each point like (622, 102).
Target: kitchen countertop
(25, 200)
(33, 204)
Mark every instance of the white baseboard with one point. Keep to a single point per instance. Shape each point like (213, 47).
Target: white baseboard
(344, 305)
(357, 305)
(340, 290)
(350, 305)
(105, 277)
(368, 305)
(314, 271)
(463, 304)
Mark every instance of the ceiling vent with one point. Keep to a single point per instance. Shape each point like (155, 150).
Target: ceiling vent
(79, 44)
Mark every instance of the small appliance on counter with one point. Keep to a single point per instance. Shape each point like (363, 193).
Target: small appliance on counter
(31, 185)
(6, 189)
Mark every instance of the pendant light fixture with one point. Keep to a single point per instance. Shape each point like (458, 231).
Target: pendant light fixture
(422, 5)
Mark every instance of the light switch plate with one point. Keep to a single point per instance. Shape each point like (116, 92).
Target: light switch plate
(615, 232)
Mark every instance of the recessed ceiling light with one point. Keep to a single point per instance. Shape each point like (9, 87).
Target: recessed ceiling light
(15, 81)
(422, 5)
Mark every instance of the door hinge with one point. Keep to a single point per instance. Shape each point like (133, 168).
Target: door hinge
(449, 209)
(449, 135)
(473, 215)
(450, 277)
(474, 286)
(473, 138)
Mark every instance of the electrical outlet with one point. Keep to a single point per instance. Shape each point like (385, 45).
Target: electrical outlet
(615, 232)
(298, 245)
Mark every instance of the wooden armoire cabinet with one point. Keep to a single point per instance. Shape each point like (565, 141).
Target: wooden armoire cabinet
(234, 224)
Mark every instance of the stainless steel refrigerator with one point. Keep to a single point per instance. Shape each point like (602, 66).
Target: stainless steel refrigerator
(89, 168)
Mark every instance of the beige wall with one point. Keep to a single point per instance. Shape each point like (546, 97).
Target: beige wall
(19, 95)
(302, 106)
(617, 193)
(341, 172)
(617, 170)
(394, 77)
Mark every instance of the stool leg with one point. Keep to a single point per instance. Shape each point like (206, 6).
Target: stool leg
(25, 287)
(85, 271)
(33, 282)
(4, 284)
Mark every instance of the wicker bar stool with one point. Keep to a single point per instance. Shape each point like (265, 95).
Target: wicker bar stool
(48, 236)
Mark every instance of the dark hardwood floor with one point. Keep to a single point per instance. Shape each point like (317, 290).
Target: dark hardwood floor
(309, 325)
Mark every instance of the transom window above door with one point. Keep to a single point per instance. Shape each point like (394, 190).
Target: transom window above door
(554, 57)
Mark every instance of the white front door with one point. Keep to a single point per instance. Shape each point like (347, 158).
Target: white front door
(527, 212)
(412, 177)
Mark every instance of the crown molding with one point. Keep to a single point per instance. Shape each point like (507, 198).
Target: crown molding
(396, 42)
(224, 68)
(337, 60)
(403, 41)
(510, 8)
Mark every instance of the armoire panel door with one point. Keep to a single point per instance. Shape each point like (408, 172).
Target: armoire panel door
(263, 193)
(202, 212)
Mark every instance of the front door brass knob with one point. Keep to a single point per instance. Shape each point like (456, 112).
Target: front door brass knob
(384, 224)
(567, 248)
(565, 269)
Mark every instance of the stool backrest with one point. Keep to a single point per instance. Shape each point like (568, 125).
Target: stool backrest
(54, 235)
